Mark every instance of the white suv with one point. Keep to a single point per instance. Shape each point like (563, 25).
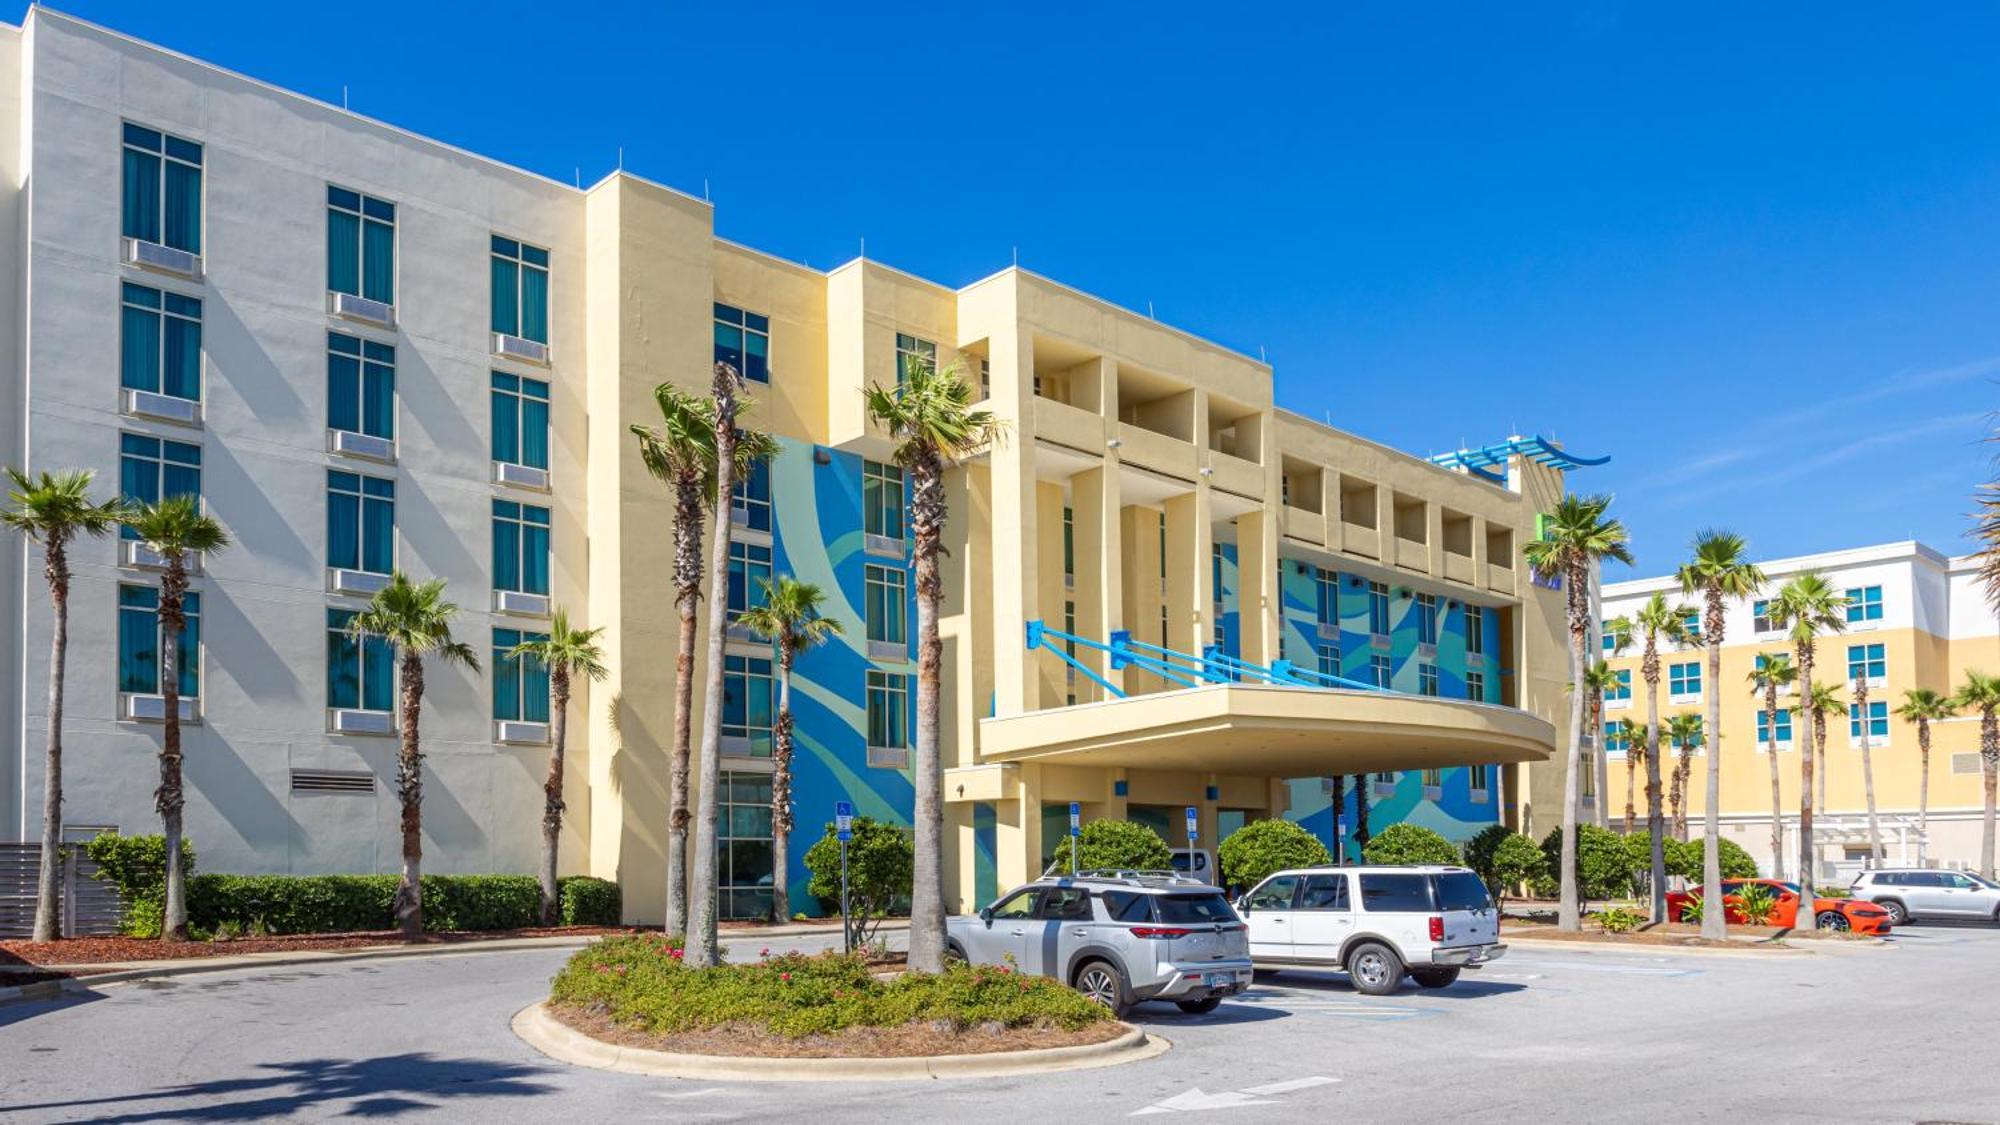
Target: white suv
(1375, 922)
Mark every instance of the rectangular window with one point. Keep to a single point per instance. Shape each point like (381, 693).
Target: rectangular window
(888, 710)
(1433, 779)
(360, 522)
(360, 674)
(520, 547)
(1479, 778)
(162, 189)
(750, 498)
(520, 684)
(743, 341)
(910, 353)
(1427, 679)
(1615, 639)
(360, 386)
(520, 421)
(1622, 690)
(140, 642)
(360, 245)
(1379, 671)
(1864, 603)
(1427, 619)
(746, 702)
(1760, 616)
(885, 589)
(1326, 595)
(1069, 544)
(1692, 623)
(1616, 741)
(1215, 561)
(1378, 608)
(1866, 661)
(1329, 658)
(1684, 679)
(881, 500)
(743, 859)
(160, 343)
(1878, 719)
(520, 290)
(749, 570)
(153, 469)
(1764, 725)
(1475, 630)
(1475, 686)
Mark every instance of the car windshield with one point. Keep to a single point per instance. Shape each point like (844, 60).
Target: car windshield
(1185, 909)
(1461, 890)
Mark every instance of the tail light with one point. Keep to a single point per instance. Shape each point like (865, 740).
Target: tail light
(1437, 928)
(1160, 931)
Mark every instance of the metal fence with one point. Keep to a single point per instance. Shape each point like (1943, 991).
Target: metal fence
(89, 905)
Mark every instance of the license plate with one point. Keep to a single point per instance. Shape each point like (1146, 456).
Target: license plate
(1220, 980)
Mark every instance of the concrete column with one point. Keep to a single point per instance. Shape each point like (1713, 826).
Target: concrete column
(1190, 604)
(1016, 595)
(1099, 567)
(1257, 577)
(1434, 538)
(1017, 845)
(1208, 807)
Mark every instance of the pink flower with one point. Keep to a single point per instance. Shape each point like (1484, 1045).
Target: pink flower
(786, 977)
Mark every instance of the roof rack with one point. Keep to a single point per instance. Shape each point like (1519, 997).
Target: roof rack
(1134, 876)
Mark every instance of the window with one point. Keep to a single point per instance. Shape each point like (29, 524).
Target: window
(1427, 679)
(1433, 779)
(140, 642)
(1324, 892)
(1866, 661)
(1475, 686)
(746, 703)
(743, 846)
(1479, 778)
(882, 500)
(1215, 572)
(1764, 726)
(360, 386)
(1163, 555)
(1427, 619)
(154, 469)
(1616, 741)
(910, 353)
(520, 290)
(1069, 545)
(1460, 890)
(1683, 679)
(1691, 622)
(1378, 608)
(162, 189)
(360, 245)
(160, 343)
(749, 569)
(1615, 639)
(1326, 588)
(1878, 719)
(520, 547)
(1760, 616)
(520, 684)
(1379, 671)
(743, 341)
(1864, 603)
(360, 522)
(888, 710)
(1020, 905)
(1475, 630)
(885, 589)
(520, 421)
(1329, 658)
(1588, 787)
(1064, 904)
(1620, 691)
(1274, 893)
(360, 674)
(1407, 894)
(750, 498)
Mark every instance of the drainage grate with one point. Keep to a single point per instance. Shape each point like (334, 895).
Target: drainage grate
(332, 781)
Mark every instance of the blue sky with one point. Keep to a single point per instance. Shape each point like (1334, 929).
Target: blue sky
(1754, 256)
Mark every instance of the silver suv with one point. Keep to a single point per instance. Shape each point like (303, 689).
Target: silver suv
(1917, 893)
(1117, 937)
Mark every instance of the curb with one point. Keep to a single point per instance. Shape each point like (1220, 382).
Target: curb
(538, 1029)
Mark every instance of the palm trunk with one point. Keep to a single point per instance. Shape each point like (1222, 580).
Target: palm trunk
(1632, 754)
(409, 907)
(1868, 769)
(1683, 773)
(552, 791)
(781, 792)
(1655, 823)
(1812, 736)
(1339, 782)
(1568, 915)
(48, 906)
(927, 509)
(1923, 788)
(701, 947)
(1989, 761)
(1777, 798)
(170, 798)
(1600, 762)
(687, 595)
(1361, 833)
(1713, 923)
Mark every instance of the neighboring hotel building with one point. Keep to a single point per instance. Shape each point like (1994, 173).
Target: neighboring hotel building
(1915, 619)
(366, 350)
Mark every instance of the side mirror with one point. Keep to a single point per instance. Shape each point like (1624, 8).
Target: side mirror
(986, 915)
(1243, 905)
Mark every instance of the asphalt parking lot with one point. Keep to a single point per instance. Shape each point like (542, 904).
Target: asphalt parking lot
(1901, 1033)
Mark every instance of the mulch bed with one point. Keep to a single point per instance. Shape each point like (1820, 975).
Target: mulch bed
(908, 1041)
(111, 949)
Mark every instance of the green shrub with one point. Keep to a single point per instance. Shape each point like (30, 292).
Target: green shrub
(640, 983)
(587, 901)
(318, 904)
(1409, 843)
(1503, 858)
(1736, 863)
(881, 863)
(1603, 862)
(1110, 845)
(137, 866)
(1618, 920)
(1756, 904)
(1691, 910)
(1263, 846)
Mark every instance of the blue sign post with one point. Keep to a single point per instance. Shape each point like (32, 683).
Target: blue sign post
(1194, 832)
(843, 826)
(1075, 834)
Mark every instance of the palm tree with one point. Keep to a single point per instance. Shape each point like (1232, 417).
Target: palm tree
(929, 416)
(1685, 732)
(1359, 783)
(1774, 671)
(790, 619)
(53, 509)
(566, 652)
(414, 619)
(1627, 733)
(1826, 706)
(1923, 707)
(1719, 572)
(1599, 680)
(173, 529)
(1807, 606)
(1981, 693)
(1656, 620)
(1339, 803)
(1576, 538)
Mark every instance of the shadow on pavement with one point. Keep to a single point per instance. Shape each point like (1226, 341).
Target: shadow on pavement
(1166, 1015)
(20, 1011)
(1468, 987)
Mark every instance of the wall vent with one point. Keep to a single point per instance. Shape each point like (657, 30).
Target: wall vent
(332, 781)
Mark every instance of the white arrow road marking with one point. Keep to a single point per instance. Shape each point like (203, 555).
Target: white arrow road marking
(1288, 1087)
(1197, 1099)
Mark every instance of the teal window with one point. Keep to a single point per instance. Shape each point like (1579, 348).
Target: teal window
(520, 421)
(1691, 622)
(1616, 741)
(1475, 686)
(743, 860)
(1683, 679)
(1326, 596)
(520, 683)
(520, 290)
(360, 522)
(140, 642)
(1866, 662)
(882, 500)
(1379, 671)
(1427, 619)
(360, 673)
(750, 498)
(1475, 630)
(1784, 725)
(360, 386)
(520, 547)
(159, 347)
(1427, 679)
(1621, 689)
(1378, 608)
(888, 710)
(162, 189)
(743, 341)
(1864, 603)
(152, 469)
(1328, 655)
(885, 589)
(912, 353)
(360, 245)
(1760, 616)
(1615, 639)
(1878, 719)
(749, 569)
(746, 702)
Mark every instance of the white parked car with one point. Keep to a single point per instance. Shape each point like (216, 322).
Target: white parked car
(1376, 923)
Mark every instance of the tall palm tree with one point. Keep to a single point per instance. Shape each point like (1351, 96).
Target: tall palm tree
(929, 416)
(1339, 803)
(173, 529)
(54, 509)
(790, 619)
(1627, 733)
(1359, 783)
(1718, 572)
(1657, 620)
(680, 453)
(414, 619)
(1981, 693)
(1576, 537)
(1808, 606)
(1827, 707)
(566, 653)
(1599, 680)
(1923, 707)
(1773, 672)
(1685, 732)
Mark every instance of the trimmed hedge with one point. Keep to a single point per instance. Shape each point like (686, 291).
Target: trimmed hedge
(137, 866)
(1261, 847)
(588, 901)
(1409, 843)
(1116, 845)
(313, 904)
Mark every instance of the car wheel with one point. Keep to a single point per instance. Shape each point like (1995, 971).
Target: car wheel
(1897, 915)
(1435, 978)
(1833, 920)
(953, 955)
(1103, 983)
(1199, 1007)
(1375, 969)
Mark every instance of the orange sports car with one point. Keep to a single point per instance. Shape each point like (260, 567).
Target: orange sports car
(1856, 915)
